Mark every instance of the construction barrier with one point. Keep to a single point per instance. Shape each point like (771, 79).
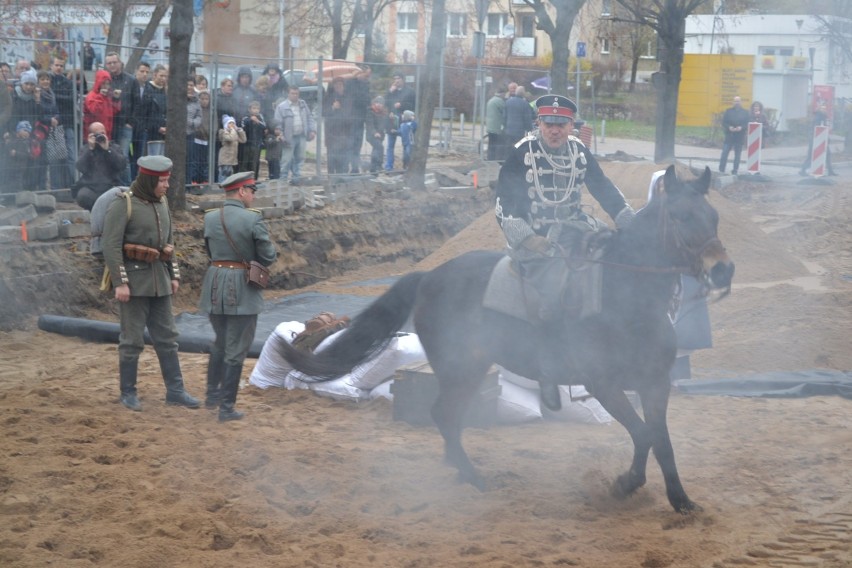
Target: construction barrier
(820, 150)
(754, 142)
(586, 135)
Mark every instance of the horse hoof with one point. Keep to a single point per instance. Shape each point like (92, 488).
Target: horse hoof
(688, 507)
(625, 485)
(474, 479)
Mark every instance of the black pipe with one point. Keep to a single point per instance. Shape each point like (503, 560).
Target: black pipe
(108, 332)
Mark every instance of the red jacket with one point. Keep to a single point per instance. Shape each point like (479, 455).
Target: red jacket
(99, 108)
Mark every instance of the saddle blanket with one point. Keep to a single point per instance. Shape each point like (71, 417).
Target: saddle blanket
(511, 294)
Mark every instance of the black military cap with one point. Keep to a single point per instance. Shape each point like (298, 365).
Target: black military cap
(555, 109)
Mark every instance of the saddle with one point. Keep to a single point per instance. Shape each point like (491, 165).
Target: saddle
(546, 288)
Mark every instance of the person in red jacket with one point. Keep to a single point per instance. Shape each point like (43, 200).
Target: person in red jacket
(102, 103)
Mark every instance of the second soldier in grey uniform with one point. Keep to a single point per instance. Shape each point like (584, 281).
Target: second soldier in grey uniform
(232, 303)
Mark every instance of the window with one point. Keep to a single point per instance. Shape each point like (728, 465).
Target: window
(495, 23)
(406, 21)
(650, 51)
(527, 26)
(606, 45)
(456, 24)
(606, 7)
(784, 51)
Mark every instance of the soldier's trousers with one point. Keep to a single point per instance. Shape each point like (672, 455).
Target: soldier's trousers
(234, 335)
(140, 312)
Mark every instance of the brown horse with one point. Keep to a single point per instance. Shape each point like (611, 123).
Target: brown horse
(629, 345)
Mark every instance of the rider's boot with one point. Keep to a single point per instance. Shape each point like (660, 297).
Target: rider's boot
(551, 366)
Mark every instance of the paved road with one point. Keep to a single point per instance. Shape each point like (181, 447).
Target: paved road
(776, 161)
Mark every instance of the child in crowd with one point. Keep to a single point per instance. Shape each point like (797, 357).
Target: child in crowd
(231, 136)
(407, 129)
(19, 159)
(274, 146)
(376, 126)
(201, 142)
(254, 126)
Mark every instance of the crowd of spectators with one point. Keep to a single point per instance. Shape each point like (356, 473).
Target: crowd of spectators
(254, 117)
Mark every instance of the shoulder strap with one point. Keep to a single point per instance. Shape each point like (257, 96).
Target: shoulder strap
(228, 235)
(127, 195)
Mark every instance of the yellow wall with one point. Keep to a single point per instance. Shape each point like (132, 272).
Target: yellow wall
(709, 84)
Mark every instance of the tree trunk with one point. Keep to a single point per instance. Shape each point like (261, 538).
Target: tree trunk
(428, 95)
(156, 16)
(671, 62)
(117, 19)
(181, 36)
(559, 33)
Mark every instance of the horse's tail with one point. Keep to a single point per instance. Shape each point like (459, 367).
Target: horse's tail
(367, 335)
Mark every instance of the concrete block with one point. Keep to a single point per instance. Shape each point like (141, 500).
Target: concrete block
(274, 212)
(72, 230)
(10, 234)
(23, 198)
(62, 195)
(75, 216)
(45, 232)
(45, 203)
(208, 204)
(9, 216)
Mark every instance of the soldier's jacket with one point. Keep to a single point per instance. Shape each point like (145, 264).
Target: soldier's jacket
(150, 224)
(225, 290)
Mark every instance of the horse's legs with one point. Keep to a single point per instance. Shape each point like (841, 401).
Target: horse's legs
(655, 401)
(616, 403)
(457, 388)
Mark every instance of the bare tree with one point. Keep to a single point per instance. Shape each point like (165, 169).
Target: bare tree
(428, 95)
(148, 34)
(117, 19)
(668, 19)
(627, 38)
(559, 31)
(180, 33)
(344, 18)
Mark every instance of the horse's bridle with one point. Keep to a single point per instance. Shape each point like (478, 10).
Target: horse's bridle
(673, 241)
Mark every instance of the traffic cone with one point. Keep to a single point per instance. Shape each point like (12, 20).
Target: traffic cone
(24, 236)
(475, 180)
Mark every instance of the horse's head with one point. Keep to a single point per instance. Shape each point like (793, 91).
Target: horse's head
(689, 229)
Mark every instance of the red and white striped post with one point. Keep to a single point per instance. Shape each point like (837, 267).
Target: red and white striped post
(754, 141)
(819, 152)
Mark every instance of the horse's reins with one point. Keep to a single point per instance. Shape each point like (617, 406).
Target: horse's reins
(676, 243)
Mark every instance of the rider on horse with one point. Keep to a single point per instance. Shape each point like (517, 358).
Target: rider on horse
(539, 210)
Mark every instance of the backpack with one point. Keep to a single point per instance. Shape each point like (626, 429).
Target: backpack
(317, 329)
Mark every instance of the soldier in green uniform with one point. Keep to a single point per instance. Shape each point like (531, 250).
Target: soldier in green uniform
(139, 253)
(234, 236)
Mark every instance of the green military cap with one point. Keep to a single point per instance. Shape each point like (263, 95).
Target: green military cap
(238, 180)
(159, 166)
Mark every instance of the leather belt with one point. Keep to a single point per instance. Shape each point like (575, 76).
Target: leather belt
(228, 264)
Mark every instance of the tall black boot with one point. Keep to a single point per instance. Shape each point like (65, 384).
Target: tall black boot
(230, 386)
(551, 366)
(215, 375)
(175, 393)
(127, 371)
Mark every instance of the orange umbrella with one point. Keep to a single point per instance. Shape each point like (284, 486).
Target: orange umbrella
(332, 68)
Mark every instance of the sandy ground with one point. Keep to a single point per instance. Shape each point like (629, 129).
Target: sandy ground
(305, 481)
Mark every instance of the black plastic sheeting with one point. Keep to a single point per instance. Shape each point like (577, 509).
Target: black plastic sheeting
(196, 333)
(777, 384)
